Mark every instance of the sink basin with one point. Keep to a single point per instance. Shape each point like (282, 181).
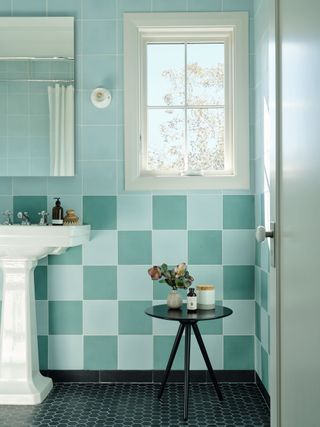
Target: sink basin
(36, 242)
(21, 382)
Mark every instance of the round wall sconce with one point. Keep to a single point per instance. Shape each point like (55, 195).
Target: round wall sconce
(100, 97)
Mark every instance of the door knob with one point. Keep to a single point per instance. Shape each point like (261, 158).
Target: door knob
(262, 234)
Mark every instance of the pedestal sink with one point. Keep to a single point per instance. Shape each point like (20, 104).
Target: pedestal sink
(20, 249)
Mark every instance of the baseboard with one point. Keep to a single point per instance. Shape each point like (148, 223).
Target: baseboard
(263, 390)
(155, 376)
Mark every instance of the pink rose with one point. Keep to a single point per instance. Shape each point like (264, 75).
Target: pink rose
(155, 272)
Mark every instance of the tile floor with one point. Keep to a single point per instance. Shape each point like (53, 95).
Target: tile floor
(136, 405)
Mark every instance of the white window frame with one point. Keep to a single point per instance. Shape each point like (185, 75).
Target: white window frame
(143, 28)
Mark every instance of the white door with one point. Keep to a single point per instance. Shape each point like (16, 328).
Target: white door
(299, 213)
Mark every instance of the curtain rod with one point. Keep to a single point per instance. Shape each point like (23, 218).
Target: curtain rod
(34, 58)
(38, 80)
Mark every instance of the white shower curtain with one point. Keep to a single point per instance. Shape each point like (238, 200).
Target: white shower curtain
(61, 118)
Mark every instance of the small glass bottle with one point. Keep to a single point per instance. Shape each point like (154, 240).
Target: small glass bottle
(192, 301)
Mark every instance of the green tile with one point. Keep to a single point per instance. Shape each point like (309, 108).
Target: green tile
(205, 247)
(264, 290)
(134, 247)
(265, 368)
(100, 352)
(30, 204)
(211, 327)
(162, 346)
(257, 254)
(132, 319)
(41, 282)
(258, 321)
(238, 282)
(238, 212)
(65, 317)
(72, 256)
(100, 212)
(43, 351)
(238, 352)
(100, 282)
(169, 212)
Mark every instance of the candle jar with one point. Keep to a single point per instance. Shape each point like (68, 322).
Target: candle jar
(206, 297)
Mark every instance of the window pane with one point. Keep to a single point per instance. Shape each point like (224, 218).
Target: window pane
(166, 140)
(165, 75)
(206, 139)
(205, 74)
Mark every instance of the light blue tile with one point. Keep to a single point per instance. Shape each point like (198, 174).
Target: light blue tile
(211, 274)
(205, 6)
(237, 5)
(64, 8)
(18, 167)
(169, 246)
(4, 167)
(99, 9)
(99, 71)
(29, 186)
(134, 212)
(264, 290)
(66, 185)
(169, 5)
(18, 147)
(264, 329)
(134, 283)
(5, 7)
(65, 282)
(100, 317)
(17, 104)
(6, 203)
(99, 178)
(265, 368)
(18, 126)
(257, 284)
(257, 347)
(205, 212)
(163, 327)
(102, 249)
(99, 37)
(238, 247)
(214, 346)
(5, 186)
(42, 317)
(132, 345)
(39, 166)
(65, 352)
(241, 321)
(133, 6)
(99, 142)
(30, 8)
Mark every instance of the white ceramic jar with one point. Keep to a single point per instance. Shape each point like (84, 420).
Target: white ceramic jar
(206, 297)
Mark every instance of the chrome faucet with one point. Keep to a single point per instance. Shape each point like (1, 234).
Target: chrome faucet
(44, 218)
(8, 215)
(25, 220)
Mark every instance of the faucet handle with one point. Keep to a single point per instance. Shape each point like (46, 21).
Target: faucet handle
(44, 217)
(22, 215)
(8, 214)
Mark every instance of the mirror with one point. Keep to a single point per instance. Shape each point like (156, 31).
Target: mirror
(37, 96)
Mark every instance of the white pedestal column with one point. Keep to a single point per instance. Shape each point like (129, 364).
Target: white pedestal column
(20, 380)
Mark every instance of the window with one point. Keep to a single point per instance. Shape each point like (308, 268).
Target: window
(186, 101)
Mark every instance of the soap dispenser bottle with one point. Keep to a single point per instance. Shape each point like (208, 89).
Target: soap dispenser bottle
(57, 213)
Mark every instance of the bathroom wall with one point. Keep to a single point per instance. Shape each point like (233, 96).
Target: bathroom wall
(262, 59)
(90, 301)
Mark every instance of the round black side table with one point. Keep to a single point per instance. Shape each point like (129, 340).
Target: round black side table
(188, 321)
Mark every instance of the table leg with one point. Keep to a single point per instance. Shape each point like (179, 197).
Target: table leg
(171, 358)
(207, 360)
(186, 370)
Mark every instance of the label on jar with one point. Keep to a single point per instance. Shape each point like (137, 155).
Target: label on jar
(191, 303)
(57, 222)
